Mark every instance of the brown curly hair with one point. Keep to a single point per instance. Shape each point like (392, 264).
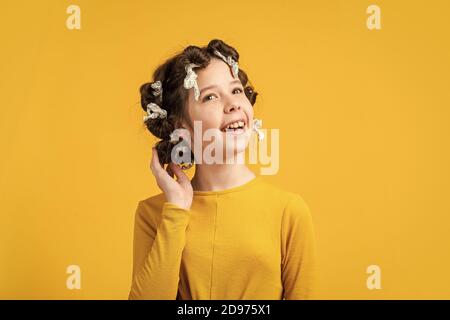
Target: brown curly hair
(174, 96)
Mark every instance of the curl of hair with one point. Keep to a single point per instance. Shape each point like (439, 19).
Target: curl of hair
(171, 73)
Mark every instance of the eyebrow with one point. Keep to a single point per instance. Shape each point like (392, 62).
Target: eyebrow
(215, 86)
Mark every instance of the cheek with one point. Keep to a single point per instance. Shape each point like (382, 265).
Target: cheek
(211, 123)
(204, 122)
(249, 111)
(210, 119)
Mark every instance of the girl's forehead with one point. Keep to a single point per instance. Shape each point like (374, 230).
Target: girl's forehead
(216, 72)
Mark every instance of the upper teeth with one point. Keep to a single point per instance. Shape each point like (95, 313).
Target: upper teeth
(235, 124)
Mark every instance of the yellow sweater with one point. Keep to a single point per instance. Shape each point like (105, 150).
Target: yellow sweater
(253, 241)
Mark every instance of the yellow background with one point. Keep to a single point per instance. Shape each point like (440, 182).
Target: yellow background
(363, 118)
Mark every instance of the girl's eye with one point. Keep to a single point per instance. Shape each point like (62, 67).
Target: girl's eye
(211, 95)
(206, 98)
(240, 90)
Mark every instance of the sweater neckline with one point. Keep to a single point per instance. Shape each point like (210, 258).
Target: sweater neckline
(241, 187)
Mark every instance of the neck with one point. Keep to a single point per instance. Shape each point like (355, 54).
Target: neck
(220, 176)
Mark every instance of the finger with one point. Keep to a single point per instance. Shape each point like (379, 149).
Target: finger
(182, 178)
(169, 171)
(155, 165)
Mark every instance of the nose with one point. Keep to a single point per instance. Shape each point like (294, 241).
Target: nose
(232, 107)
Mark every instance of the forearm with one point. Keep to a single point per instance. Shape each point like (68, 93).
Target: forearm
(158, 277)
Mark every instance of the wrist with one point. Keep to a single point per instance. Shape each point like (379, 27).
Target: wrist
(180, 203)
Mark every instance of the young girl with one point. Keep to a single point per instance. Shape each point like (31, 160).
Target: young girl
(227, 233)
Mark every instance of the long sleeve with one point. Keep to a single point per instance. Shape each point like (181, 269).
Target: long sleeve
(157, 250)
(298, 251)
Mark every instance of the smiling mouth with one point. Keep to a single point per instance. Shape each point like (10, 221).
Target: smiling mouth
(236, 129)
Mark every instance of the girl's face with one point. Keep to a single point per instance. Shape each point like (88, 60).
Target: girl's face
(222, 102)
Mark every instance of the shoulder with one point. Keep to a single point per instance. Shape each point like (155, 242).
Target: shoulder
(293, 208)
(148, 210)
(154, 202)
(296, 204)
(289, 202)
(297, 216)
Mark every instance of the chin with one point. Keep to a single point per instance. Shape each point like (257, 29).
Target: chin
(240, 143)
